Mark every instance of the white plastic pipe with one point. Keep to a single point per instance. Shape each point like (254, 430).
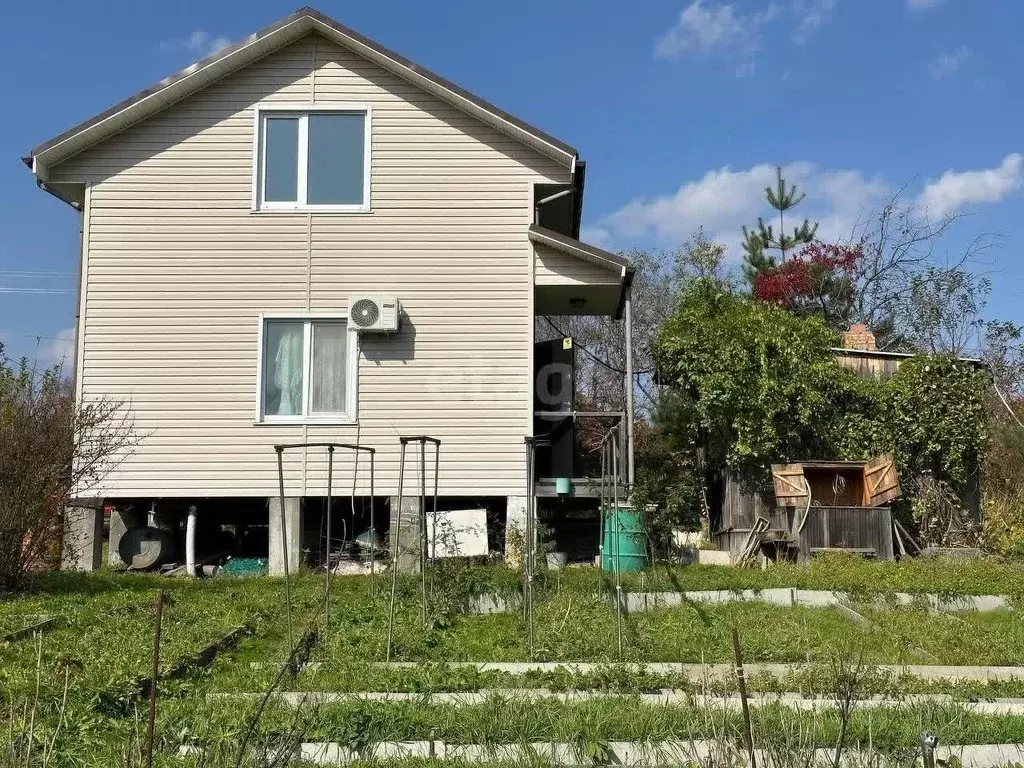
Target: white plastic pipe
(190, 541)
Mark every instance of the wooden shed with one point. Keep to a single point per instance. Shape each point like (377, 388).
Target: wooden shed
(818, 506)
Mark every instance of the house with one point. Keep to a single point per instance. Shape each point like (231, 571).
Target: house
(232, 213)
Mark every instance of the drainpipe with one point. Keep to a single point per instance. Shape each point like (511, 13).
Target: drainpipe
(78, 300)
(190, 541)
(546, 200)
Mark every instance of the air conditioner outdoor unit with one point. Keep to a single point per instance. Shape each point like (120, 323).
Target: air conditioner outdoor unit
(374, 312)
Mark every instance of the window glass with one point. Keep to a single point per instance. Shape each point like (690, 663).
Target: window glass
(281, 149)
(328, 368)
(282, 368)
(334, 173)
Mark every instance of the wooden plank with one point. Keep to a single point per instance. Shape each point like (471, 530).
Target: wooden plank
(881, 483)
(790, 484)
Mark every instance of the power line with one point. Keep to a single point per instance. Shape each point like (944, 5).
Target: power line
(26, 273)
(37, 290)
(592, 356)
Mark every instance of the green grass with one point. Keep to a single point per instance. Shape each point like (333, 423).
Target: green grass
(105, 641)
(968, 639)
(231, 677)
(946, 576)
(573, 627)
(502, 720)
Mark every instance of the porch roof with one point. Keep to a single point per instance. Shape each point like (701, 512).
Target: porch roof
(574, 278)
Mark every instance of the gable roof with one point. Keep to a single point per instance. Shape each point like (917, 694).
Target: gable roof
(194, 78)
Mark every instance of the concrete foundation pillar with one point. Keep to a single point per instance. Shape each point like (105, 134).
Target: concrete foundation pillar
(515, 530)
(120, 521)
(409, 537)
(83, 539)
(290, 529)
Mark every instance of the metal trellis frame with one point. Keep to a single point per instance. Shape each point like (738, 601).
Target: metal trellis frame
(422, 441)
(530, 535)
(610, 485)
(331, 447)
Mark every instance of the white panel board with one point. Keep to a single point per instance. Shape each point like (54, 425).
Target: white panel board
(460, 533)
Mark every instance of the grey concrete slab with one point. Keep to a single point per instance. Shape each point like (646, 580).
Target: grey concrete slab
(488, 604)
(634, 602)
(626, 753)
(286, 530)
(698, 672)
(409, 536)
(817, 598)
(667, 698)
(82, 545)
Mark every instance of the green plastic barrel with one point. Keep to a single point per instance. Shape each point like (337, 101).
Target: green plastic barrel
(623, 541)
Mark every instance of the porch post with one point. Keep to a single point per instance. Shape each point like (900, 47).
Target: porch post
(628, 317)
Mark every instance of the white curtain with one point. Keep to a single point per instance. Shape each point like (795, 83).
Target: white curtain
(328, 369)
(283, 363)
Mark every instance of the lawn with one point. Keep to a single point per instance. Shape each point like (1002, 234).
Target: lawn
(102, 651)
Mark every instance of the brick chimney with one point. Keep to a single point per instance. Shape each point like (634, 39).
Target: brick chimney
(859, 337)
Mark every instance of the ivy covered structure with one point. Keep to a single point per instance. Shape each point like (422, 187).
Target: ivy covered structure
(804, 440)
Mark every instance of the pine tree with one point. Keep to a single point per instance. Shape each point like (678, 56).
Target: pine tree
(757, 242)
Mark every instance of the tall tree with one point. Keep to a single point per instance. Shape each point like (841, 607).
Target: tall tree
(759, 241)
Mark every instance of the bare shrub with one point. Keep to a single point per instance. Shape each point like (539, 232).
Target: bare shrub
(52, 451)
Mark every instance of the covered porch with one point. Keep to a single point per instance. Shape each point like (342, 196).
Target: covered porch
(573, 278)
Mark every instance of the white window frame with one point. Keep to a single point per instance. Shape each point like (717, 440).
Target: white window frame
(351, 371)
(302, 112)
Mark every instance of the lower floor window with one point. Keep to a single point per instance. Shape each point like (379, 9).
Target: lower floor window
(308, 370)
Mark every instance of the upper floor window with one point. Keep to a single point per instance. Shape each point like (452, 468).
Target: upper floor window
(312, 160)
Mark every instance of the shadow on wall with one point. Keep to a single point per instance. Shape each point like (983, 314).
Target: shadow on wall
(384, 347)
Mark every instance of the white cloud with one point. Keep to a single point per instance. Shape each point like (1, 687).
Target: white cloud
(199, 43)
(811, 15)
(922, 5)
(598, 236)
(707, 28)
(949, 63)
(955, 189)
(57, 350)
(724, 200)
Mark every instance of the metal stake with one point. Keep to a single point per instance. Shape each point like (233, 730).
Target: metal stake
(928, 742)
(437, 474)
(529, 548)
(601, 506)
(423, 532)
(373, 534)
(741, 683)
(394, 556)
(284, 544)
(151, 728)
(327, 578)
(618, 543)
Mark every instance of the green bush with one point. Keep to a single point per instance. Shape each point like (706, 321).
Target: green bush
(751, 385)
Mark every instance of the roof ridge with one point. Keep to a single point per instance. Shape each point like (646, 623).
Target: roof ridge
(205, 72)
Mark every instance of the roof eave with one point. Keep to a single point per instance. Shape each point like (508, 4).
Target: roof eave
(591, 253)
(574, 247)
(628, 273)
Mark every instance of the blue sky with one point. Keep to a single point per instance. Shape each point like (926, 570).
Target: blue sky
(680, 108)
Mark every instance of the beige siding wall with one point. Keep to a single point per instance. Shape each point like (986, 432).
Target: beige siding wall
(554, 268)
(179, 270)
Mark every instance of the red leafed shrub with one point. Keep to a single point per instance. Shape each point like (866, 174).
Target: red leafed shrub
(818, 271)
